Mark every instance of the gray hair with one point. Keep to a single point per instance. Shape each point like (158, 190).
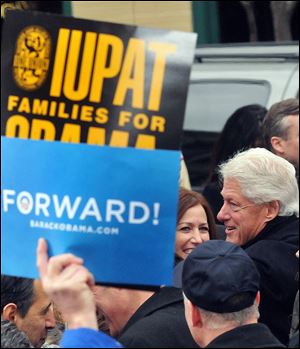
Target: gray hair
(216, 321)
(264, 177)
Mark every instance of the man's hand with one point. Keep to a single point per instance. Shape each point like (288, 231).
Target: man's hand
(69, 284)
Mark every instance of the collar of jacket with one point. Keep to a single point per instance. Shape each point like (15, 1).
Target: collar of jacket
(163, 297)
(276, 230)
(253, 335)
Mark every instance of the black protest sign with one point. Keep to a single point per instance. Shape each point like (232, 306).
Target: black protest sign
(77, 80)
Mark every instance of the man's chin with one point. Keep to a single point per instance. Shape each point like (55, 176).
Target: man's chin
(232, 239)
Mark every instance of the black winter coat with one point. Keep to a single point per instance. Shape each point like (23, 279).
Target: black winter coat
(273, 252)
(247, 336)
(159, 323)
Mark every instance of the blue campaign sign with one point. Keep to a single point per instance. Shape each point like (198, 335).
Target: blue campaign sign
(114, 207)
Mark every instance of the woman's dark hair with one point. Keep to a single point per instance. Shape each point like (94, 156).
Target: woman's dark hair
(189, 199)
(242, 131)
(19, 291)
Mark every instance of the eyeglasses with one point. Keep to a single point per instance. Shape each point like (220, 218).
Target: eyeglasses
(236, 208)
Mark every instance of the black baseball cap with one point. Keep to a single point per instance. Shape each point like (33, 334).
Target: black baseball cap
(220, 277)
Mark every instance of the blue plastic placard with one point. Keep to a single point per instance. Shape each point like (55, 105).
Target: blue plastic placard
(114, 207)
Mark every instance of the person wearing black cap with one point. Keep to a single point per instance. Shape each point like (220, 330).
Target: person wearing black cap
(220, 283)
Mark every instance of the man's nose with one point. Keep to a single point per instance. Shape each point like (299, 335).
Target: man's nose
(223, 214)
(50, 319)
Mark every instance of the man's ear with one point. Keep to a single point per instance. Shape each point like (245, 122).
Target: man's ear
(9, 312)
(277, 145)
(273, 208)
(257, 298)
(196, 316)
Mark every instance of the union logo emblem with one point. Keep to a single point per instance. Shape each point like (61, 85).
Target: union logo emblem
(32, 58)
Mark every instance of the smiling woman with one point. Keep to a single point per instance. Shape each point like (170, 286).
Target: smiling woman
(195, 223)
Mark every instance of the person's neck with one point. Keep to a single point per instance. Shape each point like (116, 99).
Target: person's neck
(208, 335)
(135, 300)
(142, 297)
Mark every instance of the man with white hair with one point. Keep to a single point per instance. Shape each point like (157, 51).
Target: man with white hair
(260, 213)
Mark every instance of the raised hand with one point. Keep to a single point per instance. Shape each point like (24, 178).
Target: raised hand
(69, 284)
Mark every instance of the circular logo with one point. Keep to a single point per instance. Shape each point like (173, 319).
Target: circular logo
(32, 58)
(24, 203)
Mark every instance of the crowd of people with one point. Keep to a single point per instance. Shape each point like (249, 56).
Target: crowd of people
(235, 263)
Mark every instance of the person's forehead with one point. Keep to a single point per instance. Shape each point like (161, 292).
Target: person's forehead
(292, 126)
(38, 287)
(40, 297)
(231, 186)
(293, 121)
(194, 211)
(293, 117)
(296, 121)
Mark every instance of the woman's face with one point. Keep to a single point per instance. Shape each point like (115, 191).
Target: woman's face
(192, 230)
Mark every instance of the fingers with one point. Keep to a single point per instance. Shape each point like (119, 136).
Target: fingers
(90, 280)
(62, 271)
(79, 274)
(58, 263)
(42, 257)
(69, 285)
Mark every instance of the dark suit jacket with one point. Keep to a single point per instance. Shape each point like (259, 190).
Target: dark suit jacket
(159, 323)
(273, 251)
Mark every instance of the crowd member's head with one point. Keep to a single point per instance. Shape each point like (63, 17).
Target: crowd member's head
(220, 284)
(258, 186)
(24, 303)
(138, 318)
(54, 334)
(195, 222)
(12, 337)
(242, 131)
(281, 130)
(118, 305)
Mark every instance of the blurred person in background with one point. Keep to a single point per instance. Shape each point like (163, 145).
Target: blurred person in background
(243, 130)
(184, 178)
(281, 130)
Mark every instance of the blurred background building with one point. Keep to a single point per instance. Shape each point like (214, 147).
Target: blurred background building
(214, 21)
